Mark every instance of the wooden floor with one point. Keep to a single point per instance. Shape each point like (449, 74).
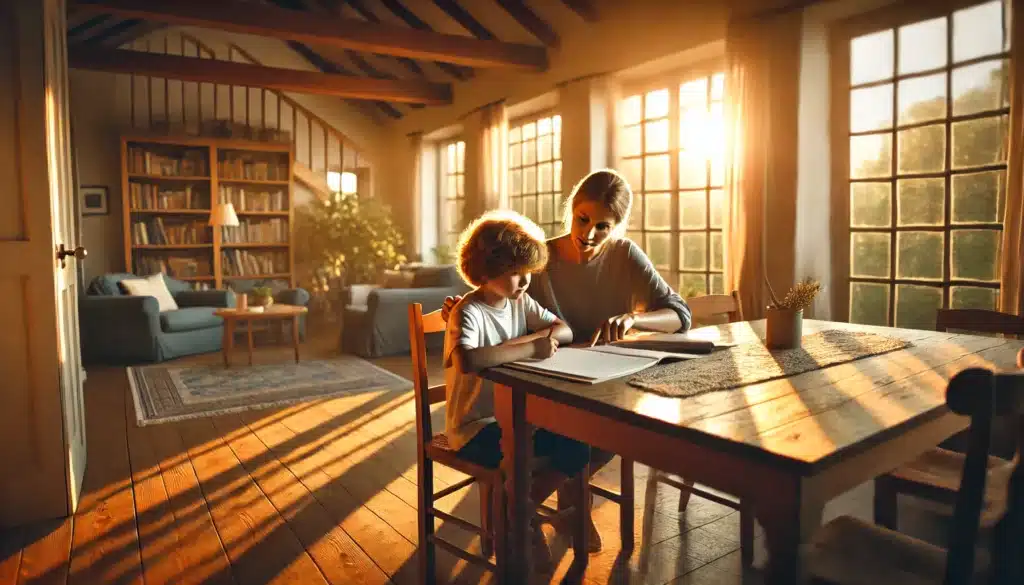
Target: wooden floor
(317, 493)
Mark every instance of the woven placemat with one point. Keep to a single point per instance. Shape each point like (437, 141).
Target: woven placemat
(751, 363)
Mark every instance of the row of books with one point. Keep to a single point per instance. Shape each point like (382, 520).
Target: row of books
(175, 266)
(267, 231)
(244, 263)
(150, 196)
(188, 163)
(157, 232)
(254, 200)
(244, 167)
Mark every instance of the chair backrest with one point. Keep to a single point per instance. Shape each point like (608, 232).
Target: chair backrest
(707, 307)
(980, 321)
(419, 326)
(982, 395)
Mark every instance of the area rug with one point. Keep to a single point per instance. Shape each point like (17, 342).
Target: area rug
(171, 393)
(752, 363)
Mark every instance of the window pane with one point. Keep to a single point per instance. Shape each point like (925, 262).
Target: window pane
(871, 108)
(979, 142)
(657, 175)
(544, 148)
(871, 57)
(973, 297)
(979, 197)
(717, 284)
(460, 185)
(631, 142)
(529, 131)
(556, 144)
(978, 31)
(922, 99)
(658, 211)
(460, 155)
(557, 180)
(692, 285)
(693, 129)
(922, 150)
(452, 189)
(543, 126)
(545, 210)
(694, 94)
(869, 303)
(544, 184)
(870, 205)
(659, 249)
(919, 255)
(980, 87)
(529, 152)
(515, 135)
(656, 104)
(718, 170)
(693, 170)
(693, 251)
(692, 209)
(869, 254)
(529, 180)
(921, 201)
(516, 204)
(717, 86)
(631, 171)
(515, 155)
(717, 251)
(922, 46)
(916, 306)
(656, 139)
(530, 207)
(976, 254)
(870, 156)
(636, 217)
(516, 183)
(632, 109)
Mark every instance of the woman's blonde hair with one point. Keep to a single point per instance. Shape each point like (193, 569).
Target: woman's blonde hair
(498, 242)
(606, 187)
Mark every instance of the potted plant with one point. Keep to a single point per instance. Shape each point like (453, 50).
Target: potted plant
(786, 317)
(261, 296)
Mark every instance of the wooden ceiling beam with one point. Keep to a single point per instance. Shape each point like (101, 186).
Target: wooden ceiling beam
(336, 5)
(584, 8)
(465, 19)
(318, 29)
(326, 65)
(529, 20)
(399, 10)
(229, 73)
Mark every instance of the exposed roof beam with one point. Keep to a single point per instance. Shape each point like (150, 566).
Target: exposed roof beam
(230, 73)
(116, 30)
(139, 30)
(530, 21)
(399, 10)
(585, 8)
(358, 6)
(464, 18)
(326, 30)
(87, 24)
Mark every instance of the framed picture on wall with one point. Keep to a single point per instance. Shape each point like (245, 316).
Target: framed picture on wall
(94, 199)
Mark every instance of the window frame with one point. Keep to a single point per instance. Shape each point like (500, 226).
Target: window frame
(556, 186)
(672, 80)
(840, 35)
(443, 229)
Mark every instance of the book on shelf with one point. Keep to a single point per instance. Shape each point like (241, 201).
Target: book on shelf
(249, 199)
(249, 168)
(187, 163)
(265, 231)
(157, 232)
(173, 266)
(244, 263)
(146, 196)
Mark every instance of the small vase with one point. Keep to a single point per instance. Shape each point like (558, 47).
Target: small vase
(785, 328)
(242, 302)
(263, 301)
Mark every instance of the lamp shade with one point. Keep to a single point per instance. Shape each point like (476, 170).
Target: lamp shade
(223, 214)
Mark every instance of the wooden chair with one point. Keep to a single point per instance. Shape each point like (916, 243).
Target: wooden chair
(702, 308)
(433, 448)
(935, 475)
(847, 551)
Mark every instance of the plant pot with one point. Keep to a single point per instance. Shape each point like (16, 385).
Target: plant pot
(262, 301)
(785, 328)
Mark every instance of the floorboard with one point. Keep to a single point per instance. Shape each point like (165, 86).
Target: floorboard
(322, 492)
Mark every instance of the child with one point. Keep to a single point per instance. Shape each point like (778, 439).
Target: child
(496, 324)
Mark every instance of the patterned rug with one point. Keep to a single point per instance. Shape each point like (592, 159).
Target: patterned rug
(171, 393)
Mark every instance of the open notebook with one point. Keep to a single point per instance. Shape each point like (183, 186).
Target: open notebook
(593, 365)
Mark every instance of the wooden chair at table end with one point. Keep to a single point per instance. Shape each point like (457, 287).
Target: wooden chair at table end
(433, 448)
(849, 551)
(935, 475)
(705, 308)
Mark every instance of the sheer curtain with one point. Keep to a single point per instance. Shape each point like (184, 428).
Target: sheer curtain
(486, 159)
(1011, 298)
(762, 76)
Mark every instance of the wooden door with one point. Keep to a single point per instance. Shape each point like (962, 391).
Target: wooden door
(42, 434)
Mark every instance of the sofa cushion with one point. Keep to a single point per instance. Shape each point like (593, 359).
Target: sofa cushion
(436, 277)
(153, 285)
(189, 319)
(108, 284)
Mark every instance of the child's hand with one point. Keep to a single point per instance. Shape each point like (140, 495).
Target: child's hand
(449, 304)
(545, 347)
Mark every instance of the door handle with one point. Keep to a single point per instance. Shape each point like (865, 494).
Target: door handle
(80, 253)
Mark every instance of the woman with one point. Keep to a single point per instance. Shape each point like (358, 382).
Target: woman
(601, 283)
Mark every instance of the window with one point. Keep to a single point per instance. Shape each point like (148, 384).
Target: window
(924, 107)
(672, 146)
(535, 171)
(451, 192)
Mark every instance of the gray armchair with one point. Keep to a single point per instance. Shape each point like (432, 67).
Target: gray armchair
(376, 319)
(119, 328)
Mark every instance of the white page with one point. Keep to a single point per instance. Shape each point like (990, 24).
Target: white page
(666, 356)
(586, 366)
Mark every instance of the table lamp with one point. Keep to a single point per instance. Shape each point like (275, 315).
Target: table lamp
(223, 215)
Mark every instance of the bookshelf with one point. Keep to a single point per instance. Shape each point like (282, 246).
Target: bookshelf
(169, 187)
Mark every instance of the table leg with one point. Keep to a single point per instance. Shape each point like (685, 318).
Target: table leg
(225, 344)
(790, 518)
(517, 450)
(249, 322)
(295, 337)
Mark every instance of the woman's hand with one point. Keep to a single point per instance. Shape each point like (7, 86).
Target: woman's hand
(449, 304)
(614, 329)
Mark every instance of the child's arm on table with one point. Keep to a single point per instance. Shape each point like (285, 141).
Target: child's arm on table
(480, 358)
(558, 330)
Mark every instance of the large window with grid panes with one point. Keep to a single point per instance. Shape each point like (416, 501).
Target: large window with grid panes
(451, 192)
(671, 149)
(535, 170)
(921, 121)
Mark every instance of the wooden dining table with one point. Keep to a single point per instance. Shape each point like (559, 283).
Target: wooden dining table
(785, 446)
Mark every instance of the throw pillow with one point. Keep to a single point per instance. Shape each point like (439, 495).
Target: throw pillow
(396, 279)
(151, 286)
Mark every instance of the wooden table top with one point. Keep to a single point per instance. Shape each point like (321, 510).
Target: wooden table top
(804, 421)
(275, 311)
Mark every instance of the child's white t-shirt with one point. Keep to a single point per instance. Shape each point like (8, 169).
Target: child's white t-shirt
(472, 324)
